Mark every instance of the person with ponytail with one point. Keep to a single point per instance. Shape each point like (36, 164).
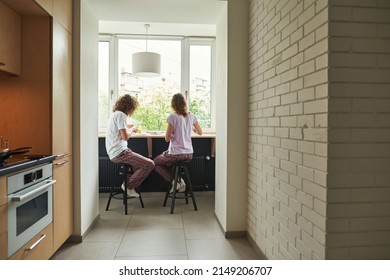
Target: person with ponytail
(181, 124)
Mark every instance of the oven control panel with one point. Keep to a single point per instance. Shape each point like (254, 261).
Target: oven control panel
(33, 176)
(29, 177)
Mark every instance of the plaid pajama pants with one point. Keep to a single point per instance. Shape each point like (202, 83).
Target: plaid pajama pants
(164, 163)
(142, 167)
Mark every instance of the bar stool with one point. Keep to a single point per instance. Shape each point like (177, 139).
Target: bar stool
(124, 170)
(180, 169)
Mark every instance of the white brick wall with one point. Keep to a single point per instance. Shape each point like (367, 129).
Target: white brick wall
(288, 127)
(358, 211)
(319, 128)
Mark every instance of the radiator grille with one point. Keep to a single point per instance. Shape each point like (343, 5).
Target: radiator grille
(197, 172)
(108, 176)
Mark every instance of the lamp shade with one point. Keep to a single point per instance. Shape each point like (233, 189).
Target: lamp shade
(146, 64)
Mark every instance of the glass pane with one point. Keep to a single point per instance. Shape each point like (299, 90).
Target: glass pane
(104, 82)
(200, 84)
(154, 94)
(31, 212)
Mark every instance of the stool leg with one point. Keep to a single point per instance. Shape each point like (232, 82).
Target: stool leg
(125, 195)
(140, 199)
(169, 186)
(174, 188)
(167, 193)
(190, 188)
(109, 199)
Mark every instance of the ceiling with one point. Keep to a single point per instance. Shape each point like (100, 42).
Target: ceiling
(166, 17)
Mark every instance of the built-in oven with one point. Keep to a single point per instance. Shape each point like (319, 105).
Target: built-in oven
(30, 205)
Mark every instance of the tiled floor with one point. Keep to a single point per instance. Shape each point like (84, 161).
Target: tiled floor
(152, 233)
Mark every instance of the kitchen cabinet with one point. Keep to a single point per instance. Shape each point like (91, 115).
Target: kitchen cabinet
(61, 10)
(47, 5)
(44, 92)
(10, 38)
(62, 120)
(38, 248)
(3, 219)
(62, 201)
(62, 90)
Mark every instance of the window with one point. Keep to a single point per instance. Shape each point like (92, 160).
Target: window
(104, 83)
(200, 83)
(186, 66)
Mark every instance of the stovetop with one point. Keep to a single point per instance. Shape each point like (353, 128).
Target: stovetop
(12, 161)
(20, 162)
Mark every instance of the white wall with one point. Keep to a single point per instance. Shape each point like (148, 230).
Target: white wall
(85, 104)
(221, 120)
(231, 123)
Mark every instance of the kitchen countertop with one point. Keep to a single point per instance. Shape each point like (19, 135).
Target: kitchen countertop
(24, 163)
(162, 135)
(149, 136)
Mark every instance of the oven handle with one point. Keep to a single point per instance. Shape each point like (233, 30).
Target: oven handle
(48, 184)
(36, 243)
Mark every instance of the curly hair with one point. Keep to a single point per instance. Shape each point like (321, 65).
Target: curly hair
(126, 104)
(179, 104)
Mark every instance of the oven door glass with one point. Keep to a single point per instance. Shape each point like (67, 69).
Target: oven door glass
(29, 212)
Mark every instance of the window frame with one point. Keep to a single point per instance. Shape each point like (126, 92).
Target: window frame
(186, 42)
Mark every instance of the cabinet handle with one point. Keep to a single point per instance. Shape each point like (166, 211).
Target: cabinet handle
(61, 163)
(36, 243)
(62, 155)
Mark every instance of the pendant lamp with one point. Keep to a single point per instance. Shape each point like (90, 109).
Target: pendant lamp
(146, 64)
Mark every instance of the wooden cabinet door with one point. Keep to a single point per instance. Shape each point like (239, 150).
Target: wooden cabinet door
(62, 12)
(11, 40)
(39, 248)
(3, 232)
(62, 90)
(62, 201)
(3, 218)
(47, 5)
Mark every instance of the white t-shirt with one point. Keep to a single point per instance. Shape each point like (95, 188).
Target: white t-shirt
(114, 143)
(181, 142)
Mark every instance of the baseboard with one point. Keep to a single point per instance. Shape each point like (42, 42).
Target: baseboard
(80, 238)
(240, 234)
(258, 251)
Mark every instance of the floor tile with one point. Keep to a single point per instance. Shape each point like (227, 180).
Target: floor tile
(141, 243)
(155, 218)
(107, 230)
(220, 249)
(87, 251)
(201, 225)
(174, 257)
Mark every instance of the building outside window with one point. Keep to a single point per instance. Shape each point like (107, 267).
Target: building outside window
(186, 67)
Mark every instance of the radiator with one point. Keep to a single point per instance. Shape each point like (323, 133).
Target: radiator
(108, 175)
(197, 170)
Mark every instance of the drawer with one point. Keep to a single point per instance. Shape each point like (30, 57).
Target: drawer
(3, 246)
(3, 190)
(42, 251)
(3, 219)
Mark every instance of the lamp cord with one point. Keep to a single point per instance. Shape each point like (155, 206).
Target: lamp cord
(146, 27)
